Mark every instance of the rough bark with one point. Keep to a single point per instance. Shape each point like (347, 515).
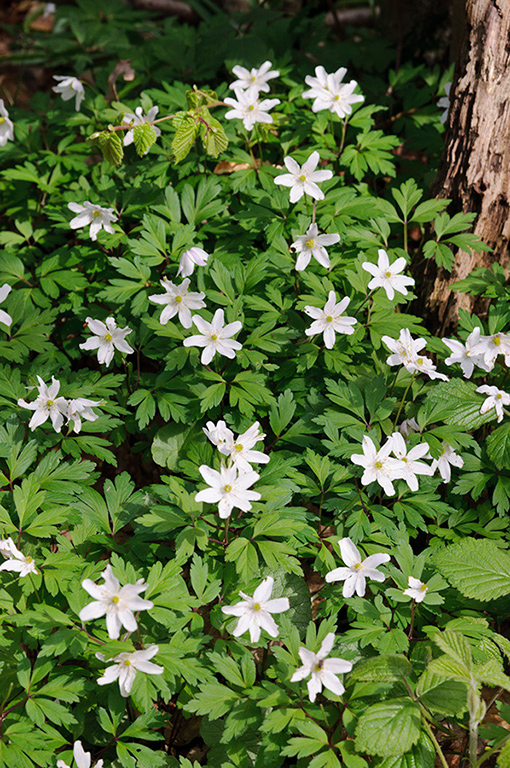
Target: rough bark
(474, 171)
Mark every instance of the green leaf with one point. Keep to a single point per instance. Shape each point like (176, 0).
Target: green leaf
(498, 446)
(454, 645)
(382, 669)
(168, 444)
(422, 755)
(213, 700)
(213, 134)
(491, 673)
(388, 728)
(110, 144)
(447, 697)
(281, 412)
(144, 137)
(458, 404)
(185, 134)
(476, 567)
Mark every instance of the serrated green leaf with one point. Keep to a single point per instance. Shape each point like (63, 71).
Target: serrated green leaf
(459, 404)
(388, 728)
(448, 697)
(110, 144)
(144, 137)
(383, 668)
(498, 446)
(476, 567)
(185, 134)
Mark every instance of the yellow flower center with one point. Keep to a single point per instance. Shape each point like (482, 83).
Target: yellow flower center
(257, 607)
(387, 274)
(378, 464)
(251, 107)
(497, 341)
(329, 319)
(127, 663)
(214, 337)
(498, 397)
(96, 214)
(49, 403)
(419, 361)
(178, 299)
(108, 337)
(358, 566)
(319, 665)
(253, 78)
(302, 177)
(423, 587)
(227, 488)
(115, 599)
(28, 559)
(310, 243)
(2, 120)
(238, 447)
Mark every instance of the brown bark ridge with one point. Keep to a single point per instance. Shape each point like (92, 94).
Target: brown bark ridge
(474, 171)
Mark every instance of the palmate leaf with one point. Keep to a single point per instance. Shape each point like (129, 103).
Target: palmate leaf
(389, 728)
(476, 567)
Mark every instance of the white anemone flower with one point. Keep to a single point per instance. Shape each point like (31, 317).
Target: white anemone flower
(323, 671)
(255, 612)
(411, 464)
(82, 759)
(5, 290)
(331, 93)
(247, 107)
(215, 337)
(107, 338)
(6, 126)
(95, 215)
(378, 465)
(47, 405)
(467, 355)
(16, 560)
(357, 571)
(489, 347)
(81, 408)
(447, 459)
(417, 589)
(116, 602)
(497, 399)
(70, 87)
(254, 79)
(313, 244)
(387, 276)
(178, 300)
(138, 119)
(329, 320)
(404, 349)
(409, 426)
(241, 451)
(421, 364)
(303, 179)
(229, 488)
(194, 256)
(126, 667)
(218, 433)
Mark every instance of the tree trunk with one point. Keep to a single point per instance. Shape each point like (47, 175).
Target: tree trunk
(474, 171)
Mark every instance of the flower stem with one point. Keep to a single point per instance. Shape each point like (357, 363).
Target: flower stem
(403, 400)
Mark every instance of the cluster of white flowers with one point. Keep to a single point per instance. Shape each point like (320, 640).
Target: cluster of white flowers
(481, 351)
(247, 105)
(48, 405)
(381, 467)
(230, 486)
